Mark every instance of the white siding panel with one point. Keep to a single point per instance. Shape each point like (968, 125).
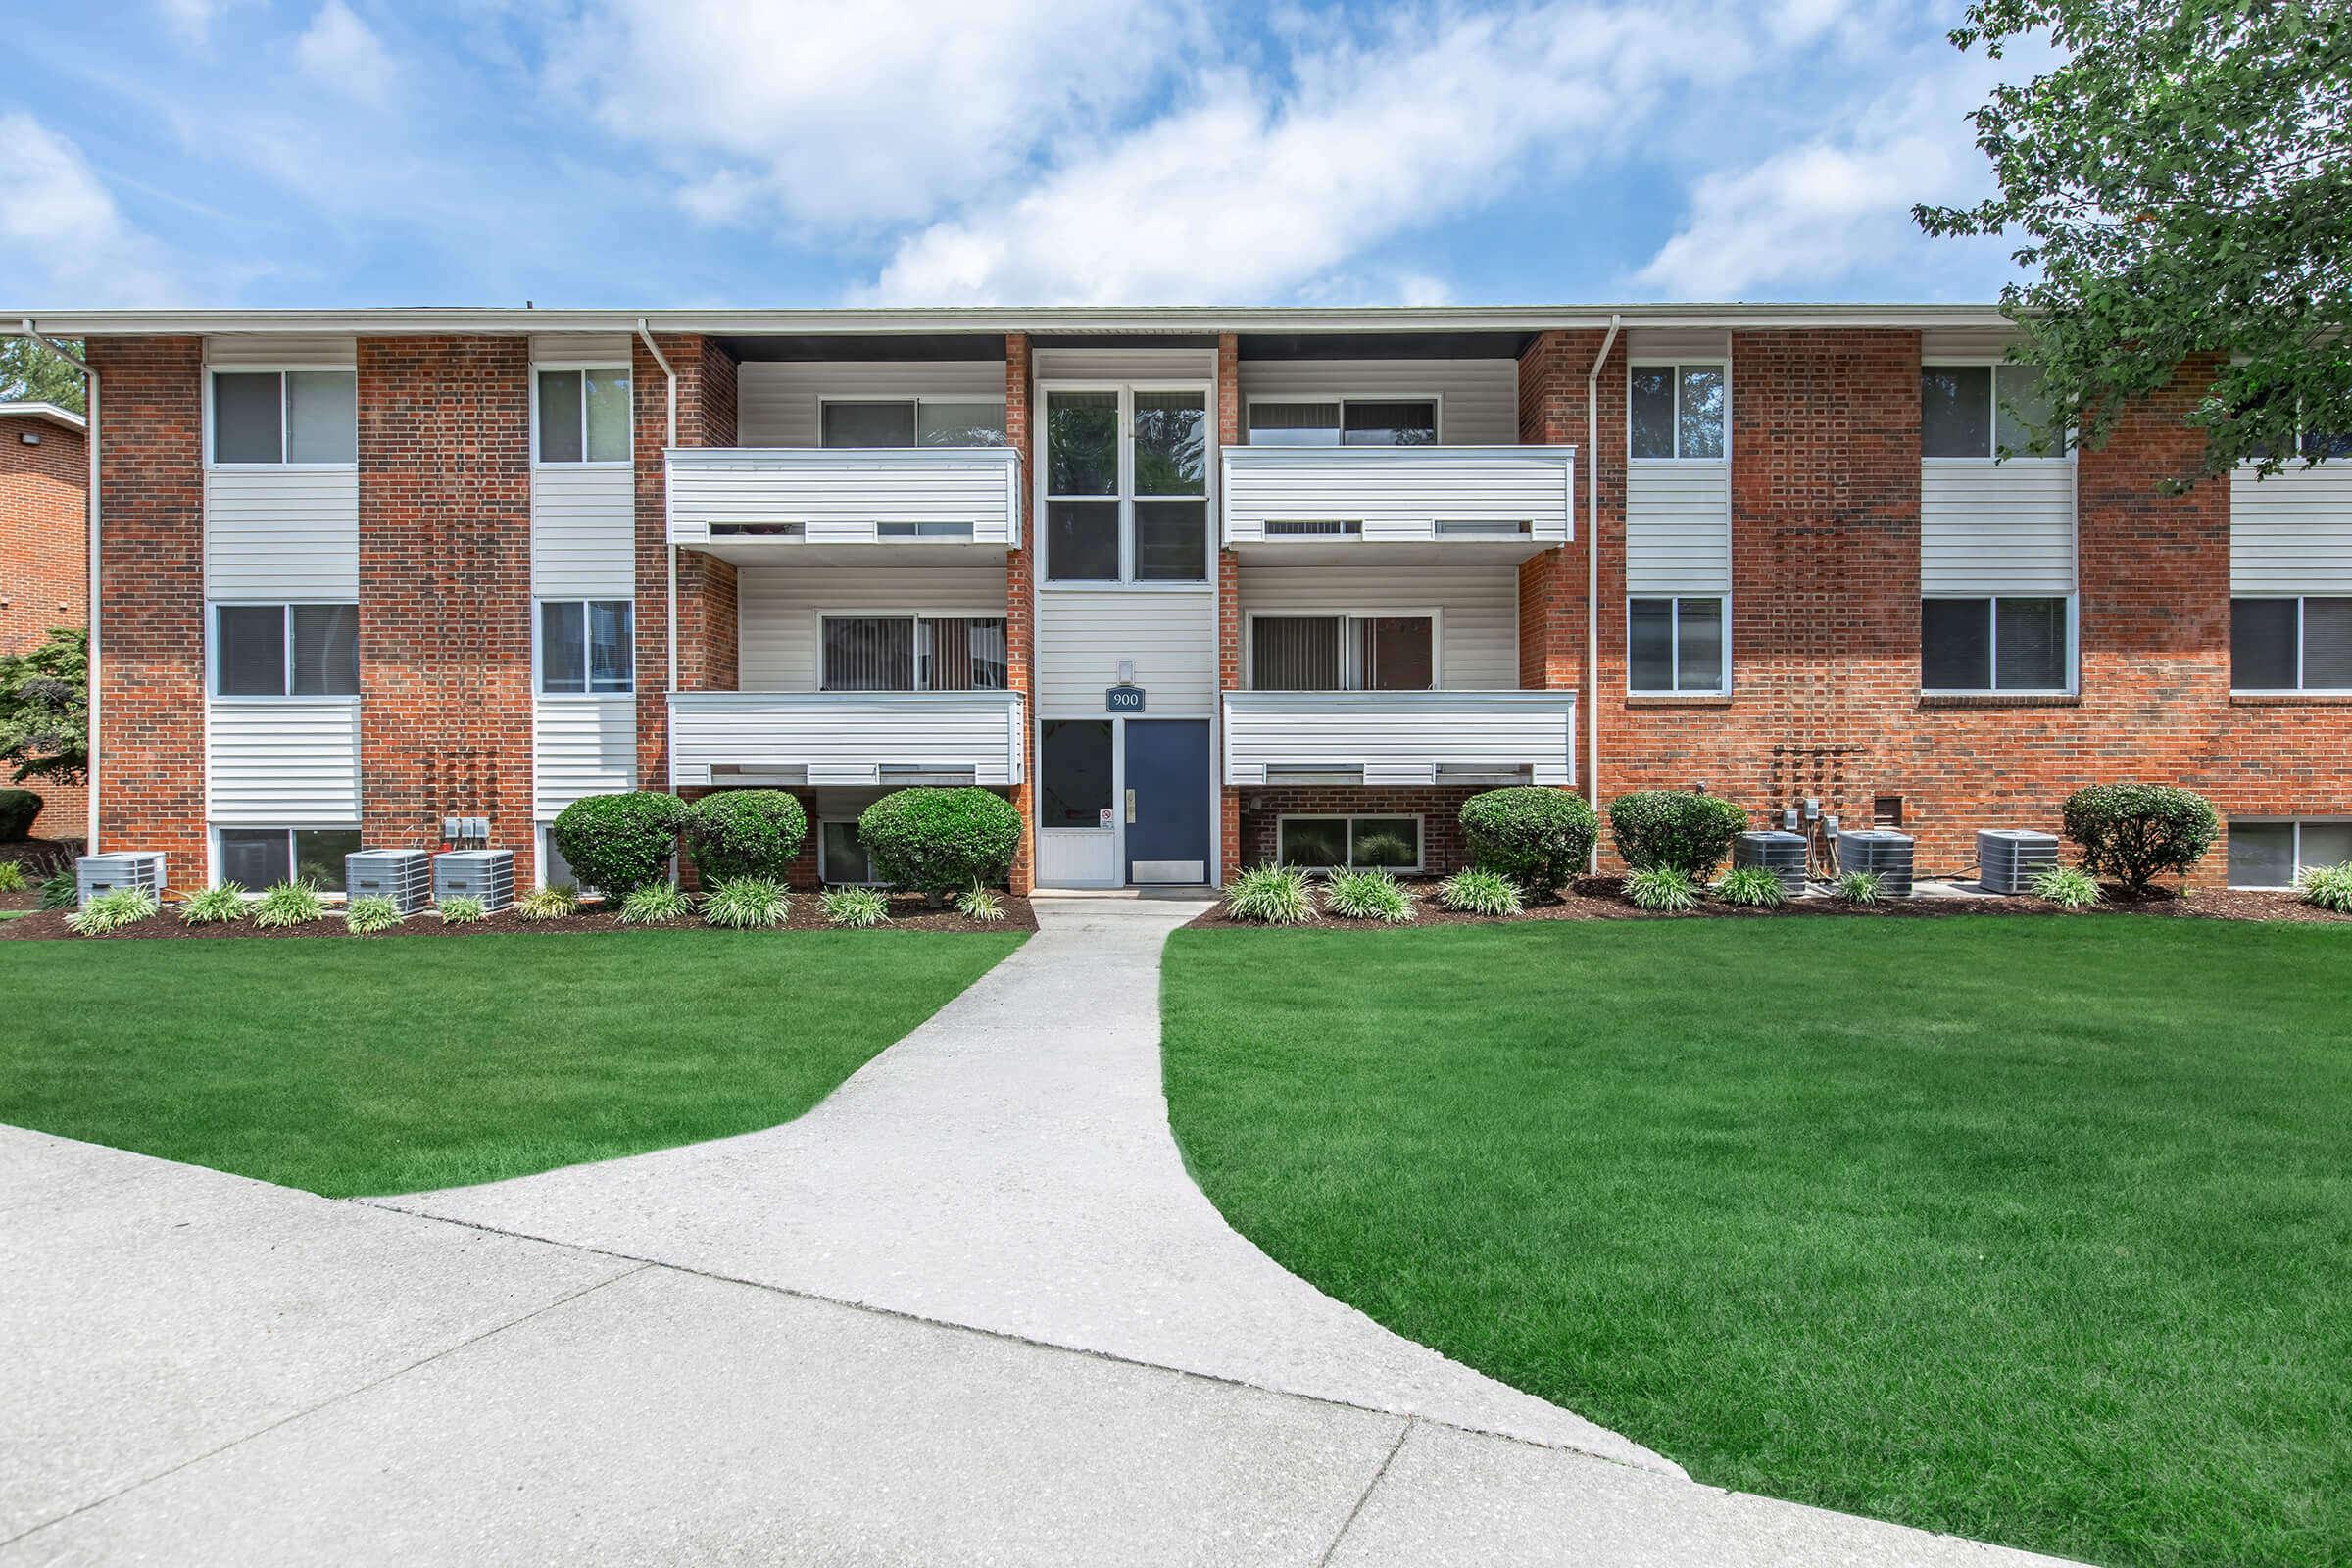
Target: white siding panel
(291, 762)
(777, 610)
(583, 532)
(1965, 343)
(1478, 609)
(581, 746)
(282, 352)
(842, 497)
(1399, 493)
(2293, 532)
(556, 349)
(1678, 528)
(281, 533)
(846, 737)
(776, 401)
(1663, 345)
(1082, 635)
(1996, 528)
(1180, 367)
(1477, 399)
(1399, 737)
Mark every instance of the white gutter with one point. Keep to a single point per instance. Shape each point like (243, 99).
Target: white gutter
(669, 550)
(91, 511)
(1592, 577)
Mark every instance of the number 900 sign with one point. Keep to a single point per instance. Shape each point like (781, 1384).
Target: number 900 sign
(1123, 700)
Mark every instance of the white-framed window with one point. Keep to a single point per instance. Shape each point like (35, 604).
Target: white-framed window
(260, 858)
(841, 860)
(1678, 413)
(1325, 843)
(1126, 484)
(2300, 644)
(282, 650)
(582, 415)
(585, 647)
(281, 417)
(1345, 421)
(1981, 412)
(2277, 852)
(952, 421)
(1675, 646)
(1344, 651)
(1973, 645)
(928, 651)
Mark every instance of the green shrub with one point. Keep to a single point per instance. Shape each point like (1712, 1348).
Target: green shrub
(1273, 894)
(12, 877)
(2327, 887)
(1481, 892)
(1752, 886)
(289, 903)
(111, 911)
(213, 906)
(368, 915)
(1367, 895)
(654, 903)
(1859, 887)
(745, 903)
(617, 843)
(936, 841)
(977, 903)
(2137, 832)
(857, 908)
(464, 910)
(17, 808)
(61, 891)
(1680, 830)
(1663, 889)
(1540, 838)
(1383, 849)
(549, 904)
(2066, 887)
(738, 833)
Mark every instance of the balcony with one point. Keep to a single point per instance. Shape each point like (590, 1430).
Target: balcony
(845, 737)
(1333, 502)
(861, 506)
(1393, 738)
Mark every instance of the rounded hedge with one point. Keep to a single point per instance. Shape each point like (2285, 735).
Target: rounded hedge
(941, 841)
(1674, 830)
(739, 833)
(1540, 838)
(617, 843)
(17, 808)
(2137, 832)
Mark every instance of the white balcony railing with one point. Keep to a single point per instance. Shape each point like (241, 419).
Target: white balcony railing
(1337, 495)
(1399, 737)
(849, 738)
(909, 496)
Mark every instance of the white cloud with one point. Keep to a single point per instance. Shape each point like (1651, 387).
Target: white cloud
(342, 53)
(60, 223)
(191, 20)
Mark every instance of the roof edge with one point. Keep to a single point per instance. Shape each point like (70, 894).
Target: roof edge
(26, 409)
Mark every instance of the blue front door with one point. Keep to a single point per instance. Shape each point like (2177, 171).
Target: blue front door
(1167, 800)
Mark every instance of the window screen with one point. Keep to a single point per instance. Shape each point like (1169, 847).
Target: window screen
(2262, 855)
(250, 657)
(843, 855)
(2326, 844)
(2022, 406)
(246, 416)
(1649, 396)
(2031, 637)
(326, 650)
(1955, 644)
(1314, 841)
(321, 417)
(562, 436)
(2262, 644)
(1395, 653)
(1171, 541)
(1294, 425)
(562, 646)
(2328, 644)
(607, 414)
(1955, 410)
(1698, 645)
(1081, 540)
(1296, 654)
(870, 424)
(1651, 644)
(256, 858)
(1406, 422)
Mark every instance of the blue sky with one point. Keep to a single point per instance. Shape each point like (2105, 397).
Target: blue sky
(650, 152)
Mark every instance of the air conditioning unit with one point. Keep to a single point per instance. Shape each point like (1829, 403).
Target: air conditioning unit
(2009, 858)
(94, 875)
(1880, 851)
(485, 874)
(1780, 854)
(404, 877)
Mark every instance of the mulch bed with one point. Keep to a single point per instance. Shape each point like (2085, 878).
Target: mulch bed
(42, 860)
(908, 912)
(1602, 897)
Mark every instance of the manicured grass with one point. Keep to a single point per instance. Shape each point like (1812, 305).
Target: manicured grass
(2033, 1230)
(390, 1065)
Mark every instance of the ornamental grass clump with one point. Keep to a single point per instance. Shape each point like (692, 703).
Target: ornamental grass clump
(1481, 892)
(1677, 830)
(223, 902)
(464, 910)
(1366, 895)
(939, 840)
(1540, 838)
(1663, 889)
(1859, 887)
(61, 891)
(2066, 887)
(12, 877)
(745, 903)
(654, 903)
(739, 833)
(1271, 894)
(366, 916)
(1752, 886)
(2136, 833)
(980, 903)
(111, 911)
(2327, 887)
(859, 909)
(548, 904)
(289, 903)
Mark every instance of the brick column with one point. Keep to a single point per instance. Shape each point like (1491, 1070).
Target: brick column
(705, 394)
(1020, 605)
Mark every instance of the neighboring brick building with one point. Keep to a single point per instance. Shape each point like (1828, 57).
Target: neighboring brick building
(44, 560)
(1194, 588)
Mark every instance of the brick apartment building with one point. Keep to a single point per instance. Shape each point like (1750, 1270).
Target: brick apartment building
(1196, 588)
(44, 561)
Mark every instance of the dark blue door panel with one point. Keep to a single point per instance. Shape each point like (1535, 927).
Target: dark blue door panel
(1168, 778)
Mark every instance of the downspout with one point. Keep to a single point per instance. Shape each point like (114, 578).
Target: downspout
(669, 549)
(91, 511)
(1593, 576)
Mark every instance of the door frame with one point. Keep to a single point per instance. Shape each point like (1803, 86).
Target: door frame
(1118, 793)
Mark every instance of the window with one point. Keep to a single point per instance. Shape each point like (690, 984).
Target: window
(584, 646)
(2290, 645)
(912, 423)
(2273, 855)
(913, 653)
(1126, 486)
(1325, 843)
(1674, 646)
(1989, 645)
(1981, 411)
(584, 415)
(1675, 411)
(1073, 758)
(259, 858)
(286, 417)
(840, 856)
(1368, 653)
(286, 650)
(1343, 422)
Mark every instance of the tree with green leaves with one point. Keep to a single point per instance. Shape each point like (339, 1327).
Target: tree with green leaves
(32, 373)
(45, 709)
(2182, 180)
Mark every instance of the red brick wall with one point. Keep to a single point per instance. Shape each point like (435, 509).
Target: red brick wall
(705, 394)
(1552, 585)
(44, 573)
(445, 590)
(1020, 605)
(1258, 810)
(151, 578)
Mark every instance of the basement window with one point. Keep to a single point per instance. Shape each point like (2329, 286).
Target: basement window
(260, 858)
(2274, 855)
(1328, 842)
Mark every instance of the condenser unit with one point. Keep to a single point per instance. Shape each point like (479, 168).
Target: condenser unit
(2009, 858)
(1881, 852)
(404, 877)
(94, 875)
(485, 874)
(1780, 854)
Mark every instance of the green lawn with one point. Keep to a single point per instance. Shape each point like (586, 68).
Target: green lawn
(391, 1065)
(2033, 1230)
